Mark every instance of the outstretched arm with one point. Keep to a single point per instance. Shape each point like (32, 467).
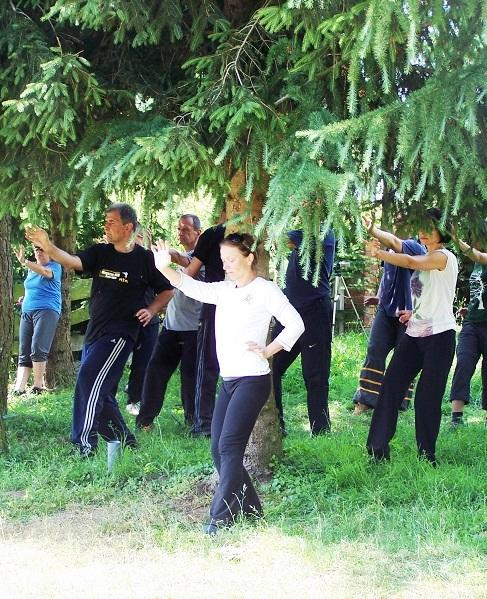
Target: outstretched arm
(179, 259)
(31, 265)
(193, 268)
(472, 253)
(387, 239)
(39, 237)
(433, 261)
(203, 292)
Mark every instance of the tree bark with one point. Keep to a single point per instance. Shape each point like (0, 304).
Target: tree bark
(6, 323)
(266, 440)
(60, 366)
(238, 12)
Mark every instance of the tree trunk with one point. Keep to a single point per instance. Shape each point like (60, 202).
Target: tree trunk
(6, 323)
(266, 440)
(60, 366)
(238, 12)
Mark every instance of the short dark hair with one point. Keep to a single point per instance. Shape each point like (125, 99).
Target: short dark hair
(436, 215)
(127, 213)
(244, 242)
(195, 219)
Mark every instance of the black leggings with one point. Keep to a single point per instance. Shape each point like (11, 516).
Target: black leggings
(432, 356)
(236, 410)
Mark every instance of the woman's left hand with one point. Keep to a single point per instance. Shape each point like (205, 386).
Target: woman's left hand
(257, 349)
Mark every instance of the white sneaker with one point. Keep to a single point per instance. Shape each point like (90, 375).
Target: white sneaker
(133, 408)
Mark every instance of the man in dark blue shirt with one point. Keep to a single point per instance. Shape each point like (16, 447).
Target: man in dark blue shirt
(394, 298)
(314, 345)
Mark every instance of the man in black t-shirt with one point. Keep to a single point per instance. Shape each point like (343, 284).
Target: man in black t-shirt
(122, 272)
(207, 253)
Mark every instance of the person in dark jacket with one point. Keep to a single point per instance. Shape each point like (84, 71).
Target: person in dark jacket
(315, 308)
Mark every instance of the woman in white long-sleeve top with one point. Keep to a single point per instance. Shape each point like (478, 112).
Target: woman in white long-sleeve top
(245, 305)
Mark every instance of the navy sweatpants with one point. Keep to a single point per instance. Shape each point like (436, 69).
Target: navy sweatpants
(95, 409)
(314, 345)
(171, 349)
(140, 359)
(239, 402)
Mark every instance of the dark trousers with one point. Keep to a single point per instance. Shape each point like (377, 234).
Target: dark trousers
(207, 371)
(432, 356)
(236, 411)
(385, 334)
(472, 345)
(36, 332)
(95, 408)
(171, 349)
(140, 359)
(314, 345)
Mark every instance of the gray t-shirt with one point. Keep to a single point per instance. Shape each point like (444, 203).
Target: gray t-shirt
(183, 312)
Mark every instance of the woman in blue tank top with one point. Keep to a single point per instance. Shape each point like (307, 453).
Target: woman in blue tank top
(41, 307)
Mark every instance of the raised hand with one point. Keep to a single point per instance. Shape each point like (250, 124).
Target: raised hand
(368, 222)
(374, 248)
(20, 254)
(162, 256)
(38, 237)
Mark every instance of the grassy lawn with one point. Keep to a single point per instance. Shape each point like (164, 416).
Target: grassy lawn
(335, 525)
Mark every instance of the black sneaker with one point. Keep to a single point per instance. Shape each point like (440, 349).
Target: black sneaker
(196, 431)
(200, 433)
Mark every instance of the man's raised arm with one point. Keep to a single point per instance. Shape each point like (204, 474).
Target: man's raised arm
(40, 238)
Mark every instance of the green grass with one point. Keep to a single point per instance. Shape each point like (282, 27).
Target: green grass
(387, 524)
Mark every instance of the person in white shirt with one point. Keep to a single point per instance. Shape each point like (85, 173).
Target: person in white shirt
(245, 304)
(427, 347)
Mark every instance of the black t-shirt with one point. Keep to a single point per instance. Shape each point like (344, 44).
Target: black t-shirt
(118, 291)
(208, 251)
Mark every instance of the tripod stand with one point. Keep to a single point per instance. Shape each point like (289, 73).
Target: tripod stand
(340, 292)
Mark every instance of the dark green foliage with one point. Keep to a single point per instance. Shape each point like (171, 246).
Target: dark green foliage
(342, 105)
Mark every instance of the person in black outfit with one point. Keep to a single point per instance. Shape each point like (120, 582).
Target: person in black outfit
(122, 272)
(207, 253)
(314, 345)
(176, 344)
(145, 341)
